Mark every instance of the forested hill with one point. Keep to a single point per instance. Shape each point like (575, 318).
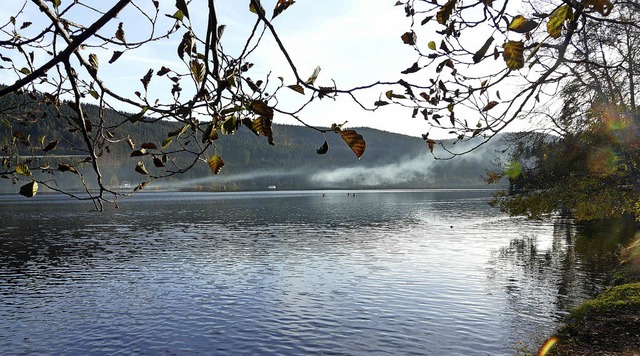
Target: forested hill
(390, 160)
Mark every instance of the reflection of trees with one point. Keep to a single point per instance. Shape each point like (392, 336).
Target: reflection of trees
(554, 278)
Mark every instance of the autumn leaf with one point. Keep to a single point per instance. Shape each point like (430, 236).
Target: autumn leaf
(514, 54)
(23, 169)
(521, 24)
(140, 168)
(431, 45)
(324, 148)
(297, 88)
(93, 61)
(29, 190)
(281, 6)
(50, 146)
(182, 6)
(355, 141)
(490, 105)
(431, 143)
(414, 68)
(215, 164)
(261, 108)
(557, 19)
(140, 186)
(477, 57)
(198, 70)
(314, 76)
(445, 12)
(65, 167)
(602, 6)
(115, 56)
(158, 162)
(139, 153)
(409, 38)
(146, 79)
(120, 33)
(256, 9)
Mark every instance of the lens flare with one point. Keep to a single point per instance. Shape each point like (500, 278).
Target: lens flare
(548, 345)
(602, 161)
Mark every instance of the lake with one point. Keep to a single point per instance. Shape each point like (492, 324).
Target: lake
(307, 272)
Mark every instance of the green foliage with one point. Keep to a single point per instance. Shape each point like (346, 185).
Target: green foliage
(592, 173)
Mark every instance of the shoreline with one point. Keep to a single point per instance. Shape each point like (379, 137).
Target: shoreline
(609, 323)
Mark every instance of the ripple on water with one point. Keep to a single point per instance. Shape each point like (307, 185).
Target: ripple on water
(404, 272)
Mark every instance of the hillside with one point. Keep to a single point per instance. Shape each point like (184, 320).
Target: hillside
(390, 161)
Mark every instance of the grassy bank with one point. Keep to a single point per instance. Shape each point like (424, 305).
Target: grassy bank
(608, 324)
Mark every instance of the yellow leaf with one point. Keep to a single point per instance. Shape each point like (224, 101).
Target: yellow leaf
(432, 45)
(215, 163)
(297, 88)
(521, 24)
(198, 70)
(557, 19)
(514, 54)
(23, 169)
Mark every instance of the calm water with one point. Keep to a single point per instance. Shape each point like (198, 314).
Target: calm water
(411, 272)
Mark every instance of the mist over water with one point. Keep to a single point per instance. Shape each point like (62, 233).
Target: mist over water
(403, 171)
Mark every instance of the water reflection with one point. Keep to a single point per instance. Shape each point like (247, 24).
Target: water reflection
(545, 277)
(288, 272)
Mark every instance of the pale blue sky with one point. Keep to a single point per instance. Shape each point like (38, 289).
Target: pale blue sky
(355, 42)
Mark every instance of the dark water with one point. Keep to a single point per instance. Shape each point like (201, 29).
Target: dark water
(413, 272)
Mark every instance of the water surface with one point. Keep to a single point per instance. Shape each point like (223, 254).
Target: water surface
(389, 272)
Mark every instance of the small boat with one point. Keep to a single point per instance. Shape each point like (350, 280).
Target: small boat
(271, 187)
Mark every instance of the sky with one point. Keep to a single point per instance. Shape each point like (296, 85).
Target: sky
(355, 42)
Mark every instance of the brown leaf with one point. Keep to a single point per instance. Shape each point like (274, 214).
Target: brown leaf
(146, 79)
(140, 186)
(324, 148)
(490, 105)
(296, 88)
(115, 56)
(431, 143)
(261, 108)
(281, 6)
(120, 33)
(65, 167)
(51, 146)
(409, 38)
(140, 168)
(477, 57)
(445, 12)
(355, 141)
